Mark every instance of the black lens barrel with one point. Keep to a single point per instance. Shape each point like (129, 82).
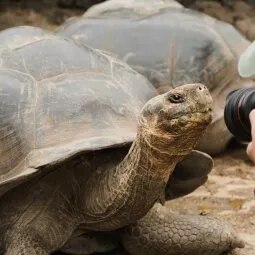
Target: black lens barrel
(236, 114)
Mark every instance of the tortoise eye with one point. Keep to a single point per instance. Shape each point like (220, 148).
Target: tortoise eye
(176, 98)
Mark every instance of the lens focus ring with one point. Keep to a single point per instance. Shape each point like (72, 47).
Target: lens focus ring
(236, 114)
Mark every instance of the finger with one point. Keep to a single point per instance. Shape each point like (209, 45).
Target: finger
(252, 120)
(251, 151)
(251, 146)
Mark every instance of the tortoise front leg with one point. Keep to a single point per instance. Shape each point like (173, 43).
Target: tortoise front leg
(189, 174)
(164, 232)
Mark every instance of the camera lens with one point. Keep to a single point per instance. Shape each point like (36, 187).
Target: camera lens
(236, 114)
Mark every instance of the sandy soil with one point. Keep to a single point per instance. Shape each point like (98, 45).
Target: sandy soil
(229, 192)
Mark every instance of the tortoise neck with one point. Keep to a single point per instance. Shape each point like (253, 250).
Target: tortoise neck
(152, 156)
(126, 192)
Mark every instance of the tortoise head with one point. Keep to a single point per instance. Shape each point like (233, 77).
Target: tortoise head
(182, 114)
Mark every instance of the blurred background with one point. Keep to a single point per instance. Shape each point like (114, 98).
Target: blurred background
(49, 14)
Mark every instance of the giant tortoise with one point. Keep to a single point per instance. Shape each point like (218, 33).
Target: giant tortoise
(170, 45)
(68, 170)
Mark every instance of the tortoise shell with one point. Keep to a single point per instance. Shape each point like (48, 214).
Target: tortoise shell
(58, 98)
(170, 45)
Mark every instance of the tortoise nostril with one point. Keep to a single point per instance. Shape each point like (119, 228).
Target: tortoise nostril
(200, 88)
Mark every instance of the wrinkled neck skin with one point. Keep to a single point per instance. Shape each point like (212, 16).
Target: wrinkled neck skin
(121, 195)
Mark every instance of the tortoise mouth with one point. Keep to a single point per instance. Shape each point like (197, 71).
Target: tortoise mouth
(191, 121)
(207, 113)
(202, 115)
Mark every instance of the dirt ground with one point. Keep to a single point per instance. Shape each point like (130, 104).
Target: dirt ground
(229, 192)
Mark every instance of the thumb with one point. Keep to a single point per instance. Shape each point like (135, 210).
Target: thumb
(249, 150)
(252, 121)
(251, 146)
(252, 115)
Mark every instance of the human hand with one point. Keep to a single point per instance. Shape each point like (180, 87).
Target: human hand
(251, 146)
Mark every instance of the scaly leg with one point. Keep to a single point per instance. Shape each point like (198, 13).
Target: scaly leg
(189, 174)
(163, 232)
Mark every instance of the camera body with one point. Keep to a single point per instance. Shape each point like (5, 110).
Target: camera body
(236, 114)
